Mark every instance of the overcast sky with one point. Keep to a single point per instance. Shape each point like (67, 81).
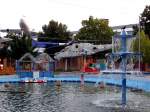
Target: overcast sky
(70, 12)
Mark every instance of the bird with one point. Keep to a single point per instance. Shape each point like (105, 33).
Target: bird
(124, 27)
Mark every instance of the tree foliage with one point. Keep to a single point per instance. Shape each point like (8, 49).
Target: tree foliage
(144, 46)
(5, 52)
(135, 29)
(145, 20)
(95, 29)
(55, 30)
(20, 45)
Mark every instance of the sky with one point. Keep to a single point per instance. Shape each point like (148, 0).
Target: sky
(36, 13)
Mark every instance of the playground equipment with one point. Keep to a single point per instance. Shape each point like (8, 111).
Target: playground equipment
(34, 69)
(90, 68)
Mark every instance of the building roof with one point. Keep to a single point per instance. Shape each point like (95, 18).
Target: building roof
(3, 41)
(11, 30)
(121, 26)
(79, 49)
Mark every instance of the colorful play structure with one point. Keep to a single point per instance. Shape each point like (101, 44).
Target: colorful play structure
(35, 69)
(90, 67)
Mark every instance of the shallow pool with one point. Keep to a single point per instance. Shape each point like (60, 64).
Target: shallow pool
(69, 97)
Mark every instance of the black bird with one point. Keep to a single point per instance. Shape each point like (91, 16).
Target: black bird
(123, 27)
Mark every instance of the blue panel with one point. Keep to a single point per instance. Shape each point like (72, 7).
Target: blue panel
(25, 74)
(44, 44)
(102, 66)
(46, 74)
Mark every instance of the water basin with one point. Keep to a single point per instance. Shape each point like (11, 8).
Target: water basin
(69, 97)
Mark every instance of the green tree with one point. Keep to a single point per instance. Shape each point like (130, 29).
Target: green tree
(55, 30)
(95, 29)
(135, 29)
(145, 20)
(20, 45)
(144, 46)
(5, 52)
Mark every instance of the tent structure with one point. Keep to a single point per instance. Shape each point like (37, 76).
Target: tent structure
(44, 57)
(27, 57)
(29, 66)
(44, 62)
(25, 66)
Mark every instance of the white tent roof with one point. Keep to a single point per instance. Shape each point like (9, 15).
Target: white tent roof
(38, 59)
(44, 57)
(79, 49)
(27, 55)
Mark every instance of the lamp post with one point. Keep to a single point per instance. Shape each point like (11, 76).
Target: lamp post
(141, 25)
(139, 42)
(85, 56)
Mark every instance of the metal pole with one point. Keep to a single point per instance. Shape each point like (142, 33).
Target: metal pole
(113, 45)
(124, 82)
(139, 43)
(123, 49)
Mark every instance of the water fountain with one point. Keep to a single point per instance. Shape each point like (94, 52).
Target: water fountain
(123, 55)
